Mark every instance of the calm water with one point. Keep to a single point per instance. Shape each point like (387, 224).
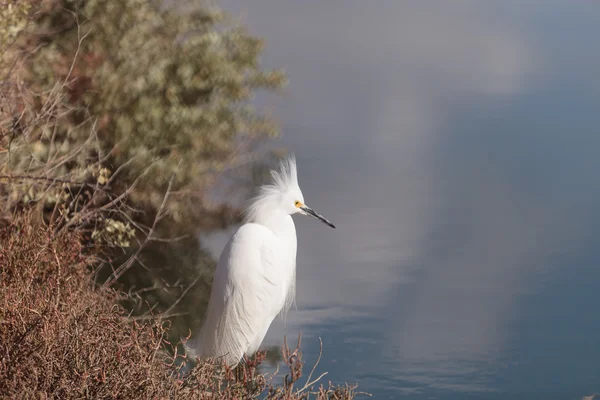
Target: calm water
(456, 146)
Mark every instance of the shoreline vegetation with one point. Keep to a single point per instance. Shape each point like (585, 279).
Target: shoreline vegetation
(120, 122)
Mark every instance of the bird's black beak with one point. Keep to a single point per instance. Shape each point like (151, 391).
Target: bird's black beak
(313, 214)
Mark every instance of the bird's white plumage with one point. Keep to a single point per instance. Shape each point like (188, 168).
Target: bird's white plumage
(255, 276)
(249, 290)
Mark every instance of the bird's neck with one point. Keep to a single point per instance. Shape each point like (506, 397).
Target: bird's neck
(266, 211)
(280, 223)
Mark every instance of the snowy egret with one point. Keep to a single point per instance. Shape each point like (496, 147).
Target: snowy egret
(255, 278)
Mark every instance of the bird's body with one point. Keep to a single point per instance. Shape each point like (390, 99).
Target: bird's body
(244, 301)
(256, 274)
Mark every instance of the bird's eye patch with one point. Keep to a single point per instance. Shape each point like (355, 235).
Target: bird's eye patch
(298, 204)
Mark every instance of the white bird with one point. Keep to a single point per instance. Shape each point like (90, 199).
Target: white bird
(256, 274)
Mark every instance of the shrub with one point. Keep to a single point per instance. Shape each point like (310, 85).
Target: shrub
(103, 105)
(146, 90)
(61, 339)
(116, 119)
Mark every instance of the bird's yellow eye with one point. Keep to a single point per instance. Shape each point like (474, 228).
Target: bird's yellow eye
(298, 204)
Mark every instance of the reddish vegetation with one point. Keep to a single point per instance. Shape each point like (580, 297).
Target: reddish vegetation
(60, 338)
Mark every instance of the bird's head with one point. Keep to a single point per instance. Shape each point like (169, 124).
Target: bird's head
(283, 193)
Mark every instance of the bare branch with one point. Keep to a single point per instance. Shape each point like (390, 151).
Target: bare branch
(166, 313)
(126, 265)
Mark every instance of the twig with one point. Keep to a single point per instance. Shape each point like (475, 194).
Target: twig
(308, 383)
(159, 215)
(151, 317)
(166, 313)
(50, 180)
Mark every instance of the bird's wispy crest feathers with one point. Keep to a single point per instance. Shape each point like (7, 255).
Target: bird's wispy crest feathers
(287, 174)
(269, 194)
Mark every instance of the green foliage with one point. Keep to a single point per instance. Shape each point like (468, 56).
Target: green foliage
(114, 233)
(108, 101)
(166, 89)
(14, 16)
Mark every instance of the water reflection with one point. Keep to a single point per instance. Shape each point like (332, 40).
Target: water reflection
(444, 140)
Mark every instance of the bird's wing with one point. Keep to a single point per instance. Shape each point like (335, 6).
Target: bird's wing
(246, 295)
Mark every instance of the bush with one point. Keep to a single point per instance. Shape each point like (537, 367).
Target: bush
(103, 105)
(147, 90)
(61, 339)
(116, 120)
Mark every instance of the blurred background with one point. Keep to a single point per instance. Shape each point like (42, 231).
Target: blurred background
(453, 144)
